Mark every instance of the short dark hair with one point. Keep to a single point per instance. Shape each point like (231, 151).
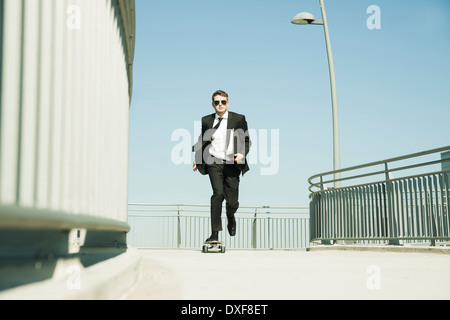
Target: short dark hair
(220, 93)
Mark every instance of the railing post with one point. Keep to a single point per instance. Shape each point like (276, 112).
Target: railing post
(254, 226)
(433, 212)
(178, 227)
(391, 206)
(268, 234)
(312, 218)
(322, 187)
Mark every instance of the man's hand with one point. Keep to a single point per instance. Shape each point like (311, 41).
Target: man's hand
(238, 157)
(194, 166)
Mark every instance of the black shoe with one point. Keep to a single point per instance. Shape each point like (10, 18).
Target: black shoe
(213, 237)
(232, 226)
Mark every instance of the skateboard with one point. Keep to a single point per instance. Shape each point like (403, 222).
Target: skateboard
(213, 246)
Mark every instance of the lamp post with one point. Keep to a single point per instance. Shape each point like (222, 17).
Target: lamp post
(305, 18)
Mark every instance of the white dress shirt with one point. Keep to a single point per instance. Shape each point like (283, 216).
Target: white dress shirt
(219, 148)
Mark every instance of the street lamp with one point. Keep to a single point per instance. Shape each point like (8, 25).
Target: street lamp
(307, 18)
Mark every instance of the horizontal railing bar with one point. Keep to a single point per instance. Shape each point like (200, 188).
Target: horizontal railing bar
(247, 218)
(198, 211)
(171, 216)
(380, 182)
(237, 214)
(12, 217)
(371, 164)
(207, 205)
(167, 205)
(158, 210)
(380, 238)
(380, 172)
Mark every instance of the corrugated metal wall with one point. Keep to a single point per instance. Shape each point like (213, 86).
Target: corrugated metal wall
(64, 106)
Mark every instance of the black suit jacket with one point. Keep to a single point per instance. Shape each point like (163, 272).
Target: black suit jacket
(242, 142)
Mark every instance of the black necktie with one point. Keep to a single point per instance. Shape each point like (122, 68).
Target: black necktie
(218, 124)
(215, 128)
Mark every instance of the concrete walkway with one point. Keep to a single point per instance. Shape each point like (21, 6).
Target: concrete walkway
(291, 275)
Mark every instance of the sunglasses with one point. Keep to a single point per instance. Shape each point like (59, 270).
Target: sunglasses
(224, 102)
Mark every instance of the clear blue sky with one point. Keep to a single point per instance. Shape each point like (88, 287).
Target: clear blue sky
(392, 84)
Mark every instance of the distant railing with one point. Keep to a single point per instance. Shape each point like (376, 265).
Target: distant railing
(188, 225)
(371, 204)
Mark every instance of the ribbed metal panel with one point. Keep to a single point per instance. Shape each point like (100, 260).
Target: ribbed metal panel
(64, 105)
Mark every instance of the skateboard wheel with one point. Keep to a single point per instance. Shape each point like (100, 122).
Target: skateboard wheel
(205, 249)
(222, 249)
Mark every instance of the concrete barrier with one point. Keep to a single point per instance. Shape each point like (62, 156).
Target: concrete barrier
(79, 278)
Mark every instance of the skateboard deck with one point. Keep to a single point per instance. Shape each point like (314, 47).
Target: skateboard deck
(213, 246)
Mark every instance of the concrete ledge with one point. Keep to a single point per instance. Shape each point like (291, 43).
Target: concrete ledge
(105, 280)
(381, 248)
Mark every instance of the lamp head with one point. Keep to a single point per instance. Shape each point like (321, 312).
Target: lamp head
(303, 18)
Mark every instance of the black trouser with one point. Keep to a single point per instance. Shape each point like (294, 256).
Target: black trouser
(225, 184)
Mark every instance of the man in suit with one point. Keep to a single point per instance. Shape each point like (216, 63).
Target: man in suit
(221, 153)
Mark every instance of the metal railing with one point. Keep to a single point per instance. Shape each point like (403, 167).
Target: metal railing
(375, 205)
(188, 225)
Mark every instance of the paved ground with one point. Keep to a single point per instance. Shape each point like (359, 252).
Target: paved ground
(291, 275)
